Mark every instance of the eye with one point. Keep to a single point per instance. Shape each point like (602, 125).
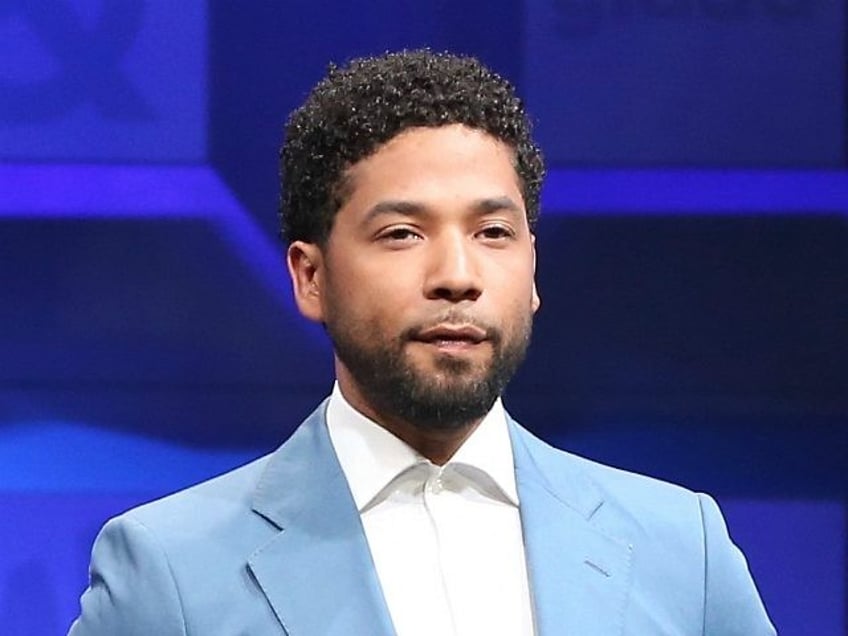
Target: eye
(496, 232)
(400, 234)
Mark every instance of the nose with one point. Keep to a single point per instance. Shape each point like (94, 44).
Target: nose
(453, 272)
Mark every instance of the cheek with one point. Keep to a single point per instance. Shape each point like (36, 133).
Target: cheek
(363, 302)
(517, 283)
(378, 284)
(523, 305)
(337, 299)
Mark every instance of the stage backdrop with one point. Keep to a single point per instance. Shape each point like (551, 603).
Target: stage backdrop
(693, 254)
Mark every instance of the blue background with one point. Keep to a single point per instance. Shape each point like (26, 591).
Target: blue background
(693, 255)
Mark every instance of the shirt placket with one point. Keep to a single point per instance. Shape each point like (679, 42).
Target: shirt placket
(434, 495)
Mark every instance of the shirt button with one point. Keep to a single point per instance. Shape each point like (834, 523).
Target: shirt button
(436, 485)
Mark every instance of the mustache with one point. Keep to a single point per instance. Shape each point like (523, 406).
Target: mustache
(453, 318)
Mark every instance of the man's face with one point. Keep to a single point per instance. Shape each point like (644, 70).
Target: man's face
(426, 282)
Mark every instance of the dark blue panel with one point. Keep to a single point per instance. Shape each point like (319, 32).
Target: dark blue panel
(719, 82)
(46, 543)
(118, 80)
(653, 312)
(800, 542)
(700, 192)
(145, 298)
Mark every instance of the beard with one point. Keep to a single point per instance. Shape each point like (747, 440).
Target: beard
(456, 393)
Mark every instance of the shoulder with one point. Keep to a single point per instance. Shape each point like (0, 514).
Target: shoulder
(682, 554)
(226, 497)
(201, 503)
(655, 517)
(617, 487)
(152, 565)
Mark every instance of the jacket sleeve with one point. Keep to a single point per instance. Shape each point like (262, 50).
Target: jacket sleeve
(732, 605)
(131, 589)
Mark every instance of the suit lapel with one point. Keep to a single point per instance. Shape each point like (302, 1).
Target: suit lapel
(318, 576)
(317, 572)
(579, 575)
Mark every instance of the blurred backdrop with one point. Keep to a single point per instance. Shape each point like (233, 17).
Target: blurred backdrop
(693, 254)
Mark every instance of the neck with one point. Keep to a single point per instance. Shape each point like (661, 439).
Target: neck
(436, 444)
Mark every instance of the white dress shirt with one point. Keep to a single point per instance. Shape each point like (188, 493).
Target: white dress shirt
(446, 540)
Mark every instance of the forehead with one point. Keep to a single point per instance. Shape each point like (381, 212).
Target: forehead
(452, 158)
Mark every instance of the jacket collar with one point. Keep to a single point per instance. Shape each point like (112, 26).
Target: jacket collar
(579, 574)
(317, 572)
(318, 575)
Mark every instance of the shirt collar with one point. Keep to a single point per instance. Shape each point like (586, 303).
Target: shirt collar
(371, 456)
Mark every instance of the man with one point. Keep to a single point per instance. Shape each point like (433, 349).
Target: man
(409, 502)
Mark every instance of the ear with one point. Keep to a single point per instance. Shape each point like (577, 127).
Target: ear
(535, 301)
(306, 268)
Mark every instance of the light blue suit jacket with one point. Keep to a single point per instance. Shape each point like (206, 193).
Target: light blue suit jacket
(276, 547)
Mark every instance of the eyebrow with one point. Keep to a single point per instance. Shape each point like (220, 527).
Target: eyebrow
(413, 208)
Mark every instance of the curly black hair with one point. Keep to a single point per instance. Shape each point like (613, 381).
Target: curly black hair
(357, 108)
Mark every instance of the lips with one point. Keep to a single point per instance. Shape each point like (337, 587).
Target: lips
(447, 335)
